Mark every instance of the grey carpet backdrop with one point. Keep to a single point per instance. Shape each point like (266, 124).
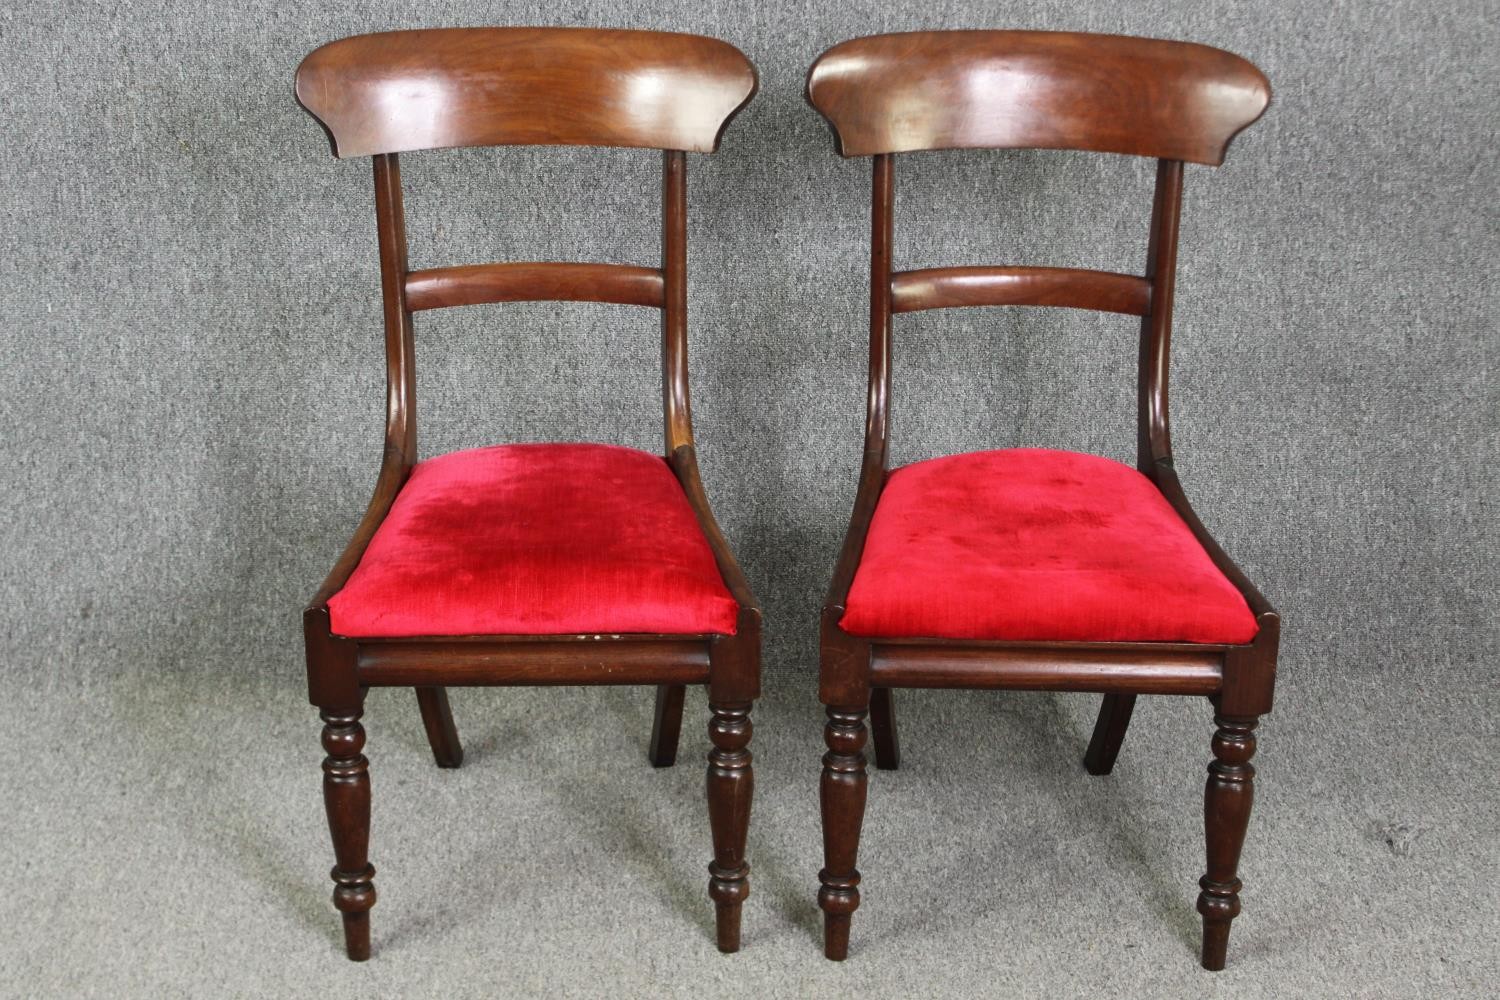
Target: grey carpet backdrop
(191, 404)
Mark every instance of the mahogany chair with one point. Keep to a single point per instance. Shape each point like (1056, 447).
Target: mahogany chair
(1026, 568)
(532, 564)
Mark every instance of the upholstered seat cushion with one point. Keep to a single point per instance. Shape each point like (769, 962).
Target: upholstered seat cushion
(1031, 544)
(537, 539)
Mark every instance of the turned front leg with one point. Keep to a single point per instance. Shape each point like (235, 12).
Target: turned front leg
(346, 796)
(1226, 814)
(731, 782)
(842, 794)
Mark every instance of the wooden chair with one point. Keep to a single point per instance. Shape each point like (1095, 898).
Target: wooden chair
(532, 564)
(1031, 569)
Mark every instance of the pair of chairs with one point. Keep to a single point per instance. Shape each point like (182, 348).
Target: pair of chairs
(550, 564)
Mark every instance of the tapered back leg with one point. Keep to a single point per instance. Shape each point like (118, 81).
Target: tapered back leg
(1109, 733)
(666, 726)
(437, 719)
(883, 729)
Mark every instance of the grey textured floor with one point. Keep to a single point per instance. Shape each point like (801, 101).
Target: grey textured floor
(160, 847)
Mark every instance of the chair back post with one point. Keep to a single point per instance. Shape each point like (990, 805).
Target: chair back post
(1153, 428)
(676, 404)
(882, 236)
(400, 351)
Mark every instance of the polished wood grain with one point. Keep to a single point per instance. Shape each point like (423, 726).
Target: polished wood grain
(478, 284)
(400, 452)
(842, 792)
(666, 725)
(382, 94)
(731, 785)
(947, 287)
(933, 90)
(845, 675)
(684, 463)
(346, 798)
(1226, 815)
(676, 403)
(948, 665)
(399, 91)
(1153, 427)
(593, 659)
(883, 728)
(1035, 90)
(1109, 733)
(437, 719)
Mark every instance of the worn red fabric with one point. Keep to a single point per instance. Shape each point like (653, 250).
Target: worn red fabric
(1028, 543)
(537, 539)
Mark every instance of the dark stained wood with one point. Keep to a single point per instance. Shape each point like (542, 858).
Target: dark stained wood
(399, 91)
(584, 660)
(1165, 476)
(1109, 733)
(676, 403)
(842, 798)
(1078, 668)
(883, 729)
(666, 726)
(346, 797)
(437, 719)
(946, 287)
(400, 378)
(1035, 90)
(844, 678)
(731, 785)
(474, 284)
(400, 349)
(931, 90)
(1153, 429)
(381, 94)
(882, 249)
(1226, 815)
(1064, 645)
(330, 660)
(1250, 671)
(684, 462)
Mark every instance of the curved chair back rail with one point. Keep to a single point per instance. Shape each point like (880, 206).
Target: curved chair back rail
(1035, 90)
(399, 91)
(947, 287)
(562, 281)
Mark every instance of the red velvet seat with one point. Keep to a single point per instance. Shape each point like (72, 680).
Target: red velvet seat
(1032, 544)
(537, 539)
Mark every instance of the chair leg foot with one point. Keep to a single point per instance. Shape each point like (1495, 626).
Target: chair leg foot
(666, 727)
(842, 794)
(883, 729)
(1109, 733)
(346, 797)
(357, 936)
(1226, 815)
(836, 935)
(731, 785)
(437, 719)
